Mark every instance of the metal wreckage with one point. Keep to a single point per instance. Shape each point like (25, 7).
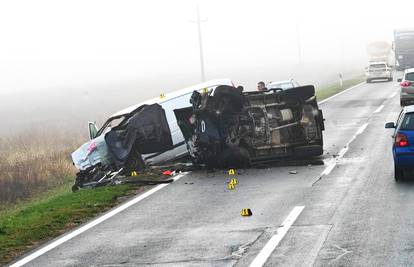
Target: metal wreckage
(225, 127)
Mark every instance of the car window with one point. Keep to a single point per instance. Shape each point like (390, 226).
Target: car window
(407, 122)
(283, 86)
(399, 117)
(377, 66)
(409, 76)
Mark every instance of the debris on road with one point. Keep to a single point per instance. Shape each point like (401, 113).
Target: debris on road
(293, 172)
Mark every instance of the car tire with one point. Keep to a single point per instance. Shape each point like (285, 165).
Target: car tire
(368, 80)
(398, 173)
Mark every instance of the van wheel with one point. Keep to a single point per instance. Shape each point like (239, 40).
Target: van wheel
(398, 173)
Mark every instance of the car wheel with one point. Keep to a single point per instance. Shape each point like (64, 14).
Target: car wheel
(398, 173)
(368, 80)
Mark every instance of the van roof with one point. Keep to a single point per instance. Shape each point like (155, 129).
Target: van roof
(172, 95)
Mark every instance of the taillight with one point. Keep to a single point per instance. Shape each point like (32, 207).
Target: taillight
(405, 83)
(401, 140)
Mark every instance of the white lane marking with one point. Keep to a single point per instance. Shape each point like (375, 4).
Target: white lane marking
(392, 95)
(379, 109)
(264, 254)
(329, 168)
(343, 151)
(91, 224)
(340, 93)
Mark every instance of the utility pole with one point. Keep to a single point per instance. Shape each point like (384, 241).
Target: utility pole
(200, 41)
(299, 43)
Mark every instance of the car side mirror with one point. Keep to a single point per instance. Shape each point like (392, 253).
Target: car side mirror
(390, 125)
(93, 130)
(399, 80)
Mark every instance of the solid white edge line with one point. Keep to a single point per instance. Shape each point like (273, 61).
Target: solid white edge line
(267, 250)
(340, 93)
(379, 109)
(361, 130)
(91, 224)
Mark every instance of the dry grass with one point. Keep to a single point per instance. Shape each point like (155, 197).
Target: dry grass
(33, 162)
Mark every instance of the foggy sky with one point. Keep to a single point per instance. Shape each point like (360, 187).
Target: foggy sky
(81, 44)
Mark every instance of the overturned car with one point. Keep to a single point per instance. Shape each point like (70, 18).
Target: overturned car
(235, 128)
(223, 127)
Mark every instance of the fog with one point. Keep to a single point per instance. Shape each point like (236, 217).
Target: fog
(74, 61)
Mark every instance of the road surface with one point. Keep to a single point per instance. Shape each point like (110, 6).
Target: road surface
(347, 211)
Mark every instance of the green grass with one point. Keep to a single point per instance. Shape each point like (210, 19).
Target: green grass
(27, 224)
(329, 90)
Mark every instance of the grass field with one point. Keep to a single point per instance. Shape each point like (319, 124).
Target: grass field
(36, 202)
(31, 223)
(324, 92)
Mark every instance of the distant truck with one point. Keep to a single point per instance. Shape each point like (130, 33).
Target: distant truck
(404, 48)
(380, 51)
(380, 61)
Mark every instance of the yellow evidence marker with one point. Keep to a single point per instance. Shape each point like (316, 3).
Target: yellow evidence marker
(233, 181)
(231, 186)
(205, 90)
(232, 172)
(246, 212)
(134, 173)
(162, 96)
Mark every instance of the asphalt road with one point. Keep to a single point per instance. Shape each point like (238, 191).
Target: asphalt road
(354, 213)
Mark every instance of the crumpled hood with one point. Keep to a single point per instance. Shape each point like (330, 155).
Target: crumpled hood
(92, 153)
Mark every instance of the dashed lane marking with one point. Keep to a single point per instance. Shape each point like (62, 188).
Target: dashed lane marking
(379, 109)
(270, 246)
(392, 95)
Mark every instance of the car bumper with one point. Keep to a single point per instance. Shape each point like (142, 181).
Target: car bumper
(379, 76)
(407, 97)
(404, 158)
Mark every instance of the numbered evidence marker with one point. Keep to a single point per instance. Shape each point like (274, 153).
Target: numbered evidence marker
(233, 181)
(232, 172)
(134, 173)
(162, 96)
(246, 212)
(231, 186)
